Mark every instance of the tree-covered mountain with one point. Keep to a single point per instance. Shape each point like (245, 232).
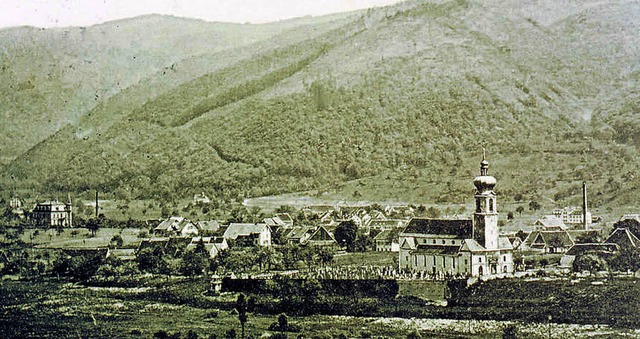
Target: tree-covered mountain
(52, 77)
(394, 101)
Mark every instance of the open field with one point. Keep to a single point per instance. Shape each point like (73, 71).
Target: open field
(80, 237)
(58, 310)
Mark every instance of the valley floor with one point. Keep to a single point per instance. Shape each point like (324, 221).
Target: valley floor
(61, 309)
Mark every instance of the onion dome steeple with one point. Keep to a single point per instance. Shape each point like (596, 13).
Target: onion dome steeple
(484, 183)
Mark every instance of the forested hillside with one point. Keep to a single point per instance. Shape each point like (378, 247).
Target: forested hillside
(52, 77)
(392, 103)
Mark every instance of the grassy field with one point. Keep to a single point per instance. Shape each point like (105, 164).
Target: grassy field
(69, 238)
(61, 310)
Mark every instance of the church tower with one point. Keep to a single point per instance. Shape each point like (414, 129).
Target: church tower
(485, 217)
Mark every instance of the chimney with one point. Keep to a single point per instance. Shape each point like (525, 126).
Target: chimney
(585, 222)
(96, 204)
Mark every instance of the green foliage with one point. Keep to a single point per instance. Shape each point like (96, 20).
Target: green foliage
(589, 262)
(194, 262)
(346, 234)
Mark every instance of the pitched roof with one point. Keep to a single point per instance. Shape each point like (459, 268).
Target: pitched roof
(385, 223)
(450, 228)
(173, 224)
(437, 249)
(236, 229)
(622, 236)
(408, 243)
(550, 221)
(208, 225)
(471, 245)
(546, 238)
(504, 243)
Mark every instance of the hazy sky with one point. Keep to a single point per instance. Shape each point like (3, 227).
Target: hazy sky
(57, 13)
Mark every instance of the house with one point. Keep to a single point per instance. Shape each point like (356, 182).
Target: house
(312, 236)
(248, 234)
(386, 224)
(571, 215)
(274, 222)
(53, 213)
(459, 246)
(554, 240)
(213, 245)
(387, 241)
(624, 238)
(285, 218)
(201, 199)
(166, 245)
(550, 221)
(515, 241)
(155, 244)
(177, 226)
(398, 211)
(207, 227)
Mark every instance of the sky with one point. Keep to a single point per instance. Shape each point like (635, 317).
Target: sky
(62, 13)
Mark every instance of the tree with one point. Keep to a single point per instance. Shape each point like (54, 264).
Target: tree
(346, 234)
(632, 224)
(627, 259)
(117, 241)
(241, 307)
(534, 205)
(363, 243)
(589, 262)
(193, 263)
(588, 238)
(325, 255)
(93, 225)
(520, 209)
(510, 215)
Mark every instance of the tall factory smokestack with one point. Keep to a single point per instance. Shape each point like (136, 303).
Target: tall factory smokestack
(585, 215)
(96, 204)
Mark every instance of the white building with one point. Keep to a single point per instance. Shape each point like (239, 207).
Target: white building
(53, 213)
(459, 246)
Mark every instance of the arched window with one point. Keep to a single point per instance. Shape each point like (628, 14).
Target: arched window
(490, 205)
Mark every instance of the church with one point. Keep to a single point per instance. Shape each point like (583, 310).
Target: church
(460, 247)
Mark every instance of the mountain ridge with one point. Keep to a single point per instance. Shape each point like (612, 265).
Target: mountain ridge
(406, 92)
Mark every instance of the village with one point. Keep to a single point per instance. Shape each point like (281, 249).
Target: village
(415, 242)
(314, 259)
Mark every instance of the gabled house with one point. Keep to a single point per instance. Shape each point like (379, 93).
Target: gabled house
(624, 238)
(248, 234)
(213, 245)
(387, 241)
(286, 219)
(386, 224)
(207, 227)
(551, 241)
(177, 226)
(550, 221)
(311, 236)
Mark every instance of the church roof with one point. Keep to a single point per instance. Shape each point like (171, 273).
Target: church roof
(437, 249)
(454, 228)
